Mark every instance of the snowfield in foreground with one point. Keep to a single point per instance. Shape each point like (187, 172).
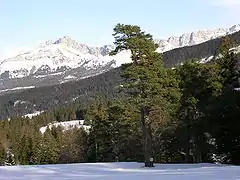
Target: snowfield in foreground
(117, 171)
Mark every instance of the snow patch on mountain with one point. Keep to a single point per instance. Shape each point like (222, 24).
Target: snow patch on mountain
(17, 88)
(31, 115)
(207, 59)
(235, 49)
(18, 102)
(66, 125)
(70, 77)
(53, 74)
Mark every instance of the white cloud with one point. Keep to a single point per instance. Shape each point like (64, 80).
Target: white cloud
(226, 4)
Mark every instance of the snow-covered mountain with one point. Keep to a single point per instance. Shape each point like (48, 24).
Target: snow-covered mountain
(58, 56)
(55, 62)
(193, 38)
(64, 59)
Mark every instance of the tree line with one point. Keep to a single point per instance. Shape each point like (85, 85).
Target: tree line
(187, 114)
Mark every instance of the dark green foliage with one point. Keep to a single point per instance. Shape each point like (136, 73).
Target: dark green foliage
(200, 84)
(115, 133)
(49, 149)
(224, 113)
(100, 137)
(225, 117)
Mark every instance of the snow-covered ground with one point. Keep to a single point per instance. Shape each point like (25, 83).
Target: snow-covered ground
(119, 171)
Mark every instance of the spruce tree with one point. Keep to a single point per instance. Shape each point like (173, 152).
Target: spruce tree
(124, 128)
(228, 63)
(49, 149)
(225, 111)
(100, 148)
(200, 84)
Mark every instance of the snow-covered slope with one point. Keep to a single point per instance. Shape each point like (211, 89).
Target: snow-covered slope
(66, 125)
(121, 171)
(64, 59)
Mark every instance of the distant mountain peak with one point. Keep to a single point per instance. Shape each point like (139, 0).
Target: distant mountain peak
(235, 28)
(64, 40)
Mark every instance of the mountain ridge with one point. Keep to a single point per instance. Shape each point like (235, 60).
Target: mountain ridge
(66, 48)
(65, 59)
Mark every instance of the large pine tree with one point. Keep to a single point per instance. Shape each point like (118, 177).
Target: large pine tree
(147, 83)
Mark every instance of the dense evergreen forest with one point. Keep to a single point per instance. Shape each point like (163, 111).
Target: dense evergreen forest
(49, 97)
(189, 114)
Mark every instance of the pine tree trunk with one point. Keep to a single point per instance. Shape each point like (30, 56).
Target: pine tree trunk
(187, 139)
(198, 149)
(187, 153)
(147, 137)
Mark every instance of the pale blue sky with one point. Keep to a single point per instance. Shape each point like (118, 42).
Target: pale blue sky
(26, 22)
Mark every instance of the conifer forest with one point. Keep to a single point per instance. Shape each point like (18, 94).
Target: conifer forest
(186, 114)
